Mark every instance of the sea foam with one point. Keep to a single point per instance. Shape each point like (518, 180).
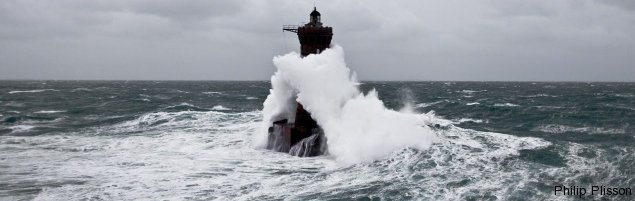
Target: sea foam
(49, 111)
(32, 91)
(358, 127)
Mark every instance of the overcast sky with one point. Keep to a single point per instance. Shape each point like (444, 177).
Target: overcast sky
(503, 40)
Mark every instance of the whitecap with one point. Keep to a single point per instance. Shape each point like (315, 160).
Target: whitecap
(471, 91)
(21, 128)
(185, 121)
(506, 105)
(547, 107)
(620, 106)
(32, 91)
(473, 103)
(49, 111)
(463, 120)
(81, 89)
(424, 105)
(180, 91)
(213, 93)
(251, 98)
(185, 104)
(14, 104)
(539, 95)
(558, 129)
(624, 95)
(220, 107)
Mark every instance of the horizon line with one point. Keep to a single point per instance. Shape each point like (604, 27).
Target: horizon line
(248, 80)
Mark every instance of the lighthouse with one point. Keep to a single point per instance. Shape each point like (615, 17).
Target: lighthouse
(313, 36)
(302, 136)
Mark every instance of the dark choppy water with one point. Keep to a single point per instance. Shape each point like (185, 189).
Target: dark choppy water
(117, 140)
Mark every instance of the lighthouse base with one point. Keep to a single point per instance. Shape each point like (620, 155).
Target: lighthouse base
(297, 140)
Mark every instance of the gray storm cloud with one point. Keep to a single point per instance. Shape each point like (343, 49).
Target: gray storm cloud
(542, 40)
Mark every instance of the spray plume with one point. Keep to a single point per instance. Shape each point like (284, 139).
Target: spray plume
(358, 127)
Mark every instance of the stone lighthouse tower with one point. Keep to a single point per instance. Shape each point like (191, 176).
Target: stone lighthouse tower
(314, 37)
(302, 136)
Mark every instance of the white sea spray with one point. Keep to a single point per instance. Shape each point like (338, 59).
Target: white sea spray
(358, 126)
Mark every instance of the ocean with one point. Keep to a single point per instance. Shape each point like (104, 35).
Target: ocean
(194, 140)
